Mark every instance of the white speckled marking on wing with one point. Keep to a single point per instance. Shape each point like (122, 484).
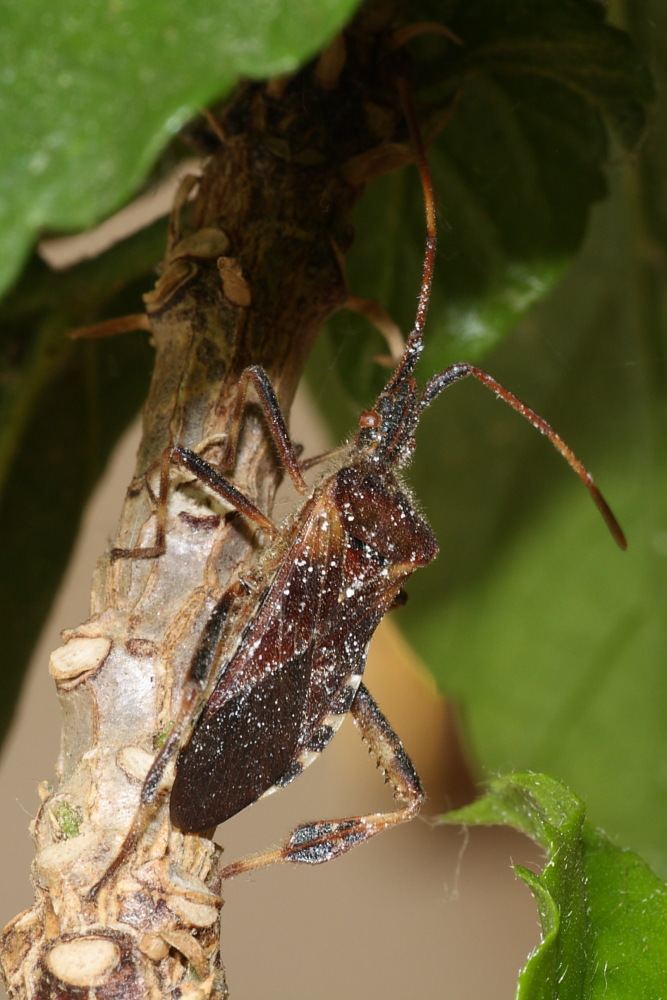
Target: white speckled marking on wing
(333, 721)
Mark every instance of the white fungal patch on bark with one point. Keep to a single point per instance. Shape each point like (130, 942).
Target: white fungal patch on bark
(78, 658)
(84, 962)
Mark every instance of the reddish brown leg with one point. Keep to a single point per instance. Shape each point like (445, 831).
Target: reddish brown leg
(153, 551)
(211, 478)
(275, 422)
(324, 840)
(326, 456)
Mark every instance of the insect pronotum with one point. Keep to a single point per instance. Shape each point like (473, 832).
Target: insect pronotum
(286, 681)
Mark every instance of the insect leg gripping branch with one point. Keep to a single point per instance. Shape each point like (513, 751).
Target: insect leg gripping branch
(324, 840)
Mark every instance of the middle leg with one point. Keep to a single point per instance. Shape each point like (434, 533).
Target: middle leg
(324, 840)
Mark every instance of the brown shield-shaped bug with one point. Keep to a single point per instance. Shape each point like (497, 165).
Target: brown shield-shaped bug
(280, 688)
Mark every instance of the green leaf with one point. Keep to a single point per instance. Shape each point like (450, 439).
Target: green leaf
(532, 90)
(603, 911)
(92, 92)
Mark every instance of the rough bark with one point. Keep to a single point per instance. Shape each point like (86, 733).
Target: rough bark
(254, 267)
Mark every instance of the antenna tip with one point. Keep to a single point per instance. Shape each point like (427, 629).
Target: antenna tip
(612, 523)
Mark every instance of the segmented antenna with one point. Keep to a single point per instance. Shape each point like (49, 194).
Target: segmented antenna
(454, 373)
(462, 370)
(414, 345)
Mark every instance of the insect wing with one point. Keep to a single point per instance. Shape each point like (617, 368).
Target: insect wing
(274, 687)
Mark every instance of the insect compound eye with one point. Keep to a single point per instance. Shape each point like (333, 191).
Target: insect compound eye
(369, 418)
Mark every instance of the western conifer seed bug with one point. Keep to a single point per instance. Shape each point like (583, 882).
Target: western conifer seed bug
(278, 691)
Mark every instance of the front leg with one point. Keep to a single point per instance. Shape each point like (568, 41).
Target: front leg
(324, 840)
(212, 479)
